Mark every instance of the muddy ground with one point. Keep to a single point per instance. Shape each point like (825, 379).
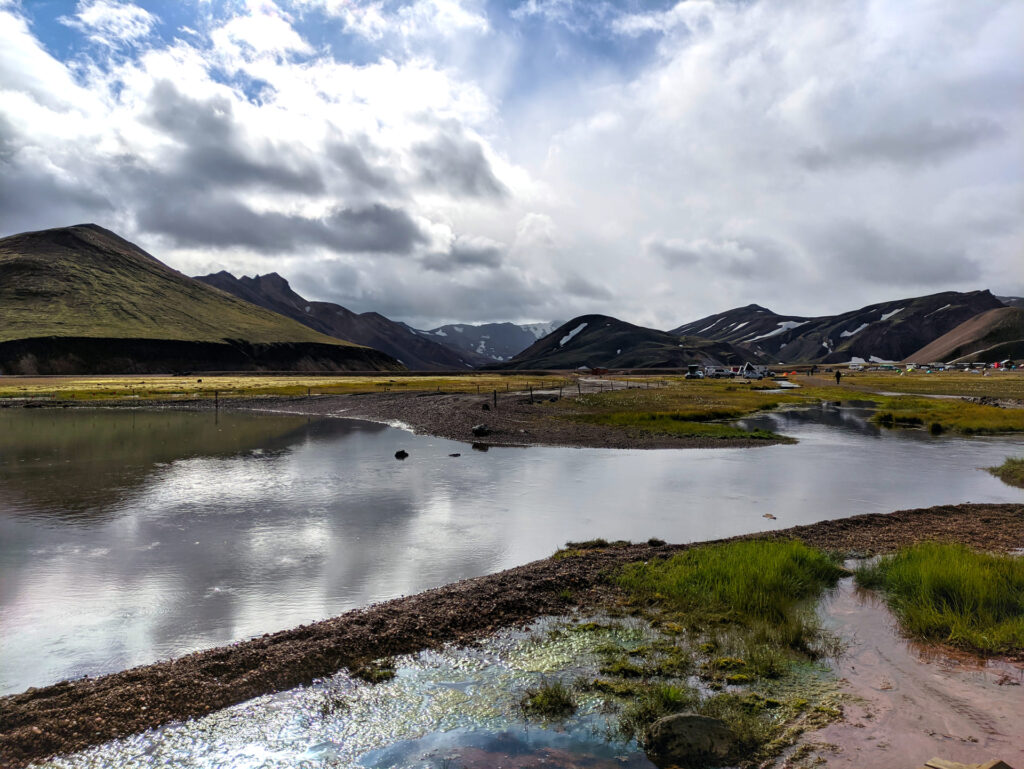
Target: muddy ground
(70, 716)
(516, 420)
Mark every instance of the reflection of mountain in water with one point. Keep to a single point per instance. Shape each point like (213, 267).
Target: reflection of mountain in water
(77, 464)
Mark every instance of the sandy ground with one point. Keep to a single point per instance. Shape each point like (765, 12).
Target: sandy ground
(70, 716)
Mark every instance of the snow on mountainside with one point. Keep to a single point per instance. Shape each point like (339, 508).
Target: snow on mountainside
(493, 341)
(889, 331)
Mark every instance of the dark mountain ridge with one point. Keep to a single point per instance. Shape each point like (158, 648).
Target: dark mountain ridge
(600, 341)
(372, 329)
(887, 331)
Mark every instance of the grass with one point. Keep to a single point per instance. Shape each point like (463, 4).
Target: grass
(376, 672)
(998, 384)
(101, 388)
(1011, 471)
(954, 595)
(552, 699)
(745, 581)
(91, 283)
(738, 618)
(948, 415)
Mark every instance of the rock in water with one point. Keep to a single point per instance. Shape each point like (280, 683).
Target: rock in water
(481, 430)
(401, 454)
(683, 739)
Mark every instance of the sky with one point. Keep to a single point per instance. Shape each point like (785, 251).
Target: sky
(474, 160)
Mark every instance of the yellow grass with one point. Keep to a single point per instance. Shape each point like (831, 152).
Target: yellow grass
(163, 387)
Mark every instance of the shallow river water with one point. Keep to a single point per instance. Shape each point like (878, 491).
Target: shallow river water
(127, 537)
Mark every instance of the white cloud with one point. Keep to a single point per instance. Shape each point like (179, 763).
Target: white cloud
(110, 22)
(810, 157)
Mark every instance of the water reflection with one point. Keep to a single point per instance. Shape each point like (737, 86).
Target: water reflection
(126, 538)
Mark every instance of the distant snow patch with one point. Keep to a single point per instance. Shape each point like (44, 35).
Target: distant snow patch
(944, 307)
(619, 351)
(571, 334)
(785, 325)
(876, 359)
(307, 308)
(458, 328)
(888, 315)
(855, 359)
(741, 325)
(857, 330)
(439, 332)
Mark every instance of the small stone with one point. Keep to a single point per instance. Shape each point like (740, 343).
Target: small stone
(401, 454)
(481, 430)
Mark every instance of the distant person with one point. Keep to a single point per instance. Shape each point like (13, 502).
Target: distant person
(839, 375)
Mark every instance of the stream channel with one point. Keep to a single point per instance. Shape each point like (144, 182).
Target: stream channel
(132, 536)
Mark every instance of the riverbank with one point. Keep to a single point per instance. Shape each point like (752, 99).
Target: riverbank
(70, 716)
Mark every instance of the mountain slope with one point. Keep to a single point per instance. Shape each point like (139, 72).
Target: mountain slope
(82, 299)
(885, 331)
(372, 329)
(991, 336)
(600, 341)
(490, 341)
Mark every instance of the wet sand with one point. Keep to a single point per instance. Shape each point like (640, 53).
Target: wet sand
(910, 702)
(70, 716)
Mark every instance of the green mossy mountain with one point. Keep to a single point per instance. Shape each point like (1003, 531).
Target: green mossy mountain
(83, 300)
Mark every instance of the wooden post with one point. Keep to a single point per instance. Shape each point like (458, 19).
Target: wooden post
(559, 393)
(495, 400)
(579, 388)
(308, 391)
(216, 399)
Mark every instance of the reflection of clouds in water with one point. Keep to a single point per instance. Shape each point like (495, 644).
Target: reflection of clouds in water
(213, 549)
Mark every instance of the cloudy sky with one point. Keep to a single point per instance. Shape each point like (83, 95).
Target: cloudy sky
(468, 160)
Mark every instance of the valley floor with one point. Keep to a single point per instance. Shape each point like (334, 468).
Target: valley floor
(73, 715)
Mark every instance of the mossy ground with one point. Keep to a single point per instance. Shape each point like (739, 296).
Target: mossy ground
(736, 639)
(954, 595)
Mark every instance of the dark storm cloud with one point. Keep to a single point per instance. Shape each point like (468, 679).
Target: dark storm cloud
(227, 223)
(359, 173)
(212, 150)
(467, 253)
(457, 165)
(917, 144)
(859, 252)
(577, 285)
(743, 257)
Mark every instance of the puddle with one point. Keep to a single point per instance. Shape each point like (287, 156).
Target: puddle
(454, 709)
(910, 702)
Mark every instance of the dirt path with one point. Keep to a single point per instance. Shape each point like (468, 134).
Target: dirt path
(70, 716)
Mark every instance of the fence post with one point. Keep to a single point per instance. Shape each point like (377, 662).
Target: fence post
(216, 399)
(495, 400)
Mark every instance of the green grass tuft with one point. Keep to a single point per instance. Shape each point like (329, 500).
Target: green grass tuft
(552, 699)
(1011, 471)
(746, 581)
(955, 595)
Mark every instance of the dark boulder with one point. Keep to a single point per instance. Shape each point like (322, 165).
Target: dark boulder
(686, 739)
(481, 430)
(401, 454)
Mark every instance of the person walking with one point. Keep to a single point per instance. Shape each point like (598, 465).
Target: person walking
(839, 375)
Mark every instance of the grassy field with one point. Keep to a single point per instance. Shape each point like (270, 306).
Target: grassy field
(954, 595)
(164, 387)
(667, 405)
(1011, 471)
(997, 384)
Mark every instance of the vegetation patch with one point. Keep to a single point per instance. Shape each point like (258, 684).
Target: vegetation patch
(1011, 471)
(948, 415)
(376, 672)
(552, 699)
(954, 595)
(679, 424)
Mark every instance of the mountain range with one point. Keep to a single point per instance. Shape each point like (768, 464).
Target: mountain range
(82, 299)
(412, 349)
